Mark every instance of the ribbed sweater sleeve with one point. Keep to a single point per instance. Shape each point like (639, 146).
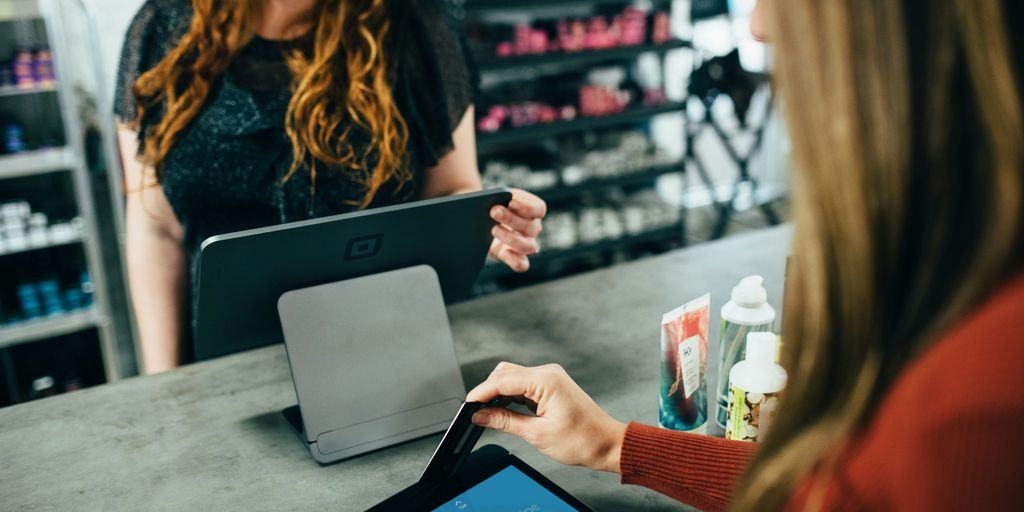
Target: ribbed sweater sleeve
(695, 469)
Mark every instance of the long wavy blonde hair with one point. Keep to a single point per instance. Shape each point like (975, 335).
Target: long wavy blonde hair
(908, 136)
(343, 86)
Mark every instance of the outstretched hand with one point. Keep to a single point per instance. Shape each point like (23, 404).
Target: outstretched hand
(515, 236)
(567, 424)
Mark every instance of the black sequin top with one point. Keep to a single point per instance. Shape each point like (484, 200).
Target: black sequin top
(225, 172)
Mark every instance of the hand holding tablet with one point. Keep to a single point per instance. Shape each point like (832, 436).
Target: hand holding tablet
(568, 426)
(490, 478)
(519, 223)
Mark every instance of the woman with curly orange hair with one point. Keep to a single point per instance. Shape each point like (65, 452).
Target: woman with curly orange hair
(238, 114)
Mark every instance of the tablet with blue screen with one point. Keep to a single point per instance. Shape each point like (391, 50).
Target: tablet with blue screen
(513, 489)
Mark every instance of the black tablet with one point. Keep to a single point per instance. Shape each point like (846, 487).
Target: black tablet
(242, 275)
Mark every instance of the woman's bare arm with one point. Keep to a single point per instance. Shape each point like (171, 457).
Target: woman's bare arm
(156, 261)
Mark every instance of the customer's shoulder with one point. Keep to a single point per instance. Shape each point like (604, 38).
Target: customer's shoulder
(976, 365)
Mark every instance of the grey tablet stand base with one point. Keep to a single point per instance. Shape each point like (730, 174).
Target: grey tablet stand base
(372, 360)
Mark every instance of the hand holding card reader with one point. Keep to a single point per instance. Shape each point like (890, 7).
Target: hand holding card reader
(459, 479)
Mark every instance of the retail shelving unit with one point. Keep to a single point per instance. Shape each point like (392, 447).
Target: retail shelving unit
(481, 5)
(628, 241)
(490, 64)
(526, 137)
(642, 177)
(540, 132)
(64, 168)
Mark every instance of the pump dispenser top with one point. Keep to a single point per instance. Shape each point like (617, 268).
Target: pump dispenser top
(750, 292)
(758, 372)
(754, 387)
(761, 349)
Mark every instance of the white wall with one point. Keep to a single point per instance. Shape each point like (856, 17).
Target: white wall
(112, 18)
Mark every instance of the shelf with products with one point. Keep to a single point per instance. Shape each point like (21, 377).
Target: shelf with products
(610, 161)
(671, 233)
(47, 327)
(11, 90)
(51, 243)
(62, 283)
(565, 112)
(35, 215)
(615, 220)
(26, 61)
(489, 64)
(635, 178)
(51, 294)
(40, 161)
(480, 5)
(642, 177)
(60, 363)
(620, 33)
(539, 132)
(32, 135)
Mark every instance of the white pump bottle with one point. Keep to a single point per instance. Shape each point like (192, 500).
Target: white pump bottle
(748, 311)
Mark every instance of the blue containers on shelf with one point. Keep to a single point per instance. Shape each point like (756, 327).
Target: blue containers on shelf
(29, 297)
(46, 299)
(49, 292)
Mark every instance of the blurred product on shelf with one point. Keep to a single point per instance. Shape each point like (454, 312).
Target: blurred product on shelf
(23, 64)
(511, 103)
(593, 101)
(627, 28)
(29, 68)
(57, 365)
(42, 67)
(43, 387)
(616, 217)
(6, 74)
(21, 229)
(46, 299)
(661, 31)
(14, 137)
(598, 100)
(633, 154)
(73, 384)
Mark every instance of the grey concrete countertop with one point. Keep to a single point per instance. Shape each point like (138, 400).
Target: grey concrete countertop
(210, 436)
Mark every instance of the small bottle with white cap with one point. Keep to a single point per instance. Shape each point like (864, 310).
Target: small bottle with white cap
(755, 385)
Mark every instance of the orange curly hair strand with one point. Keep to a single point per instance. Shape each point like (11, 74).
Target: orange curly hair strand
(341, 87)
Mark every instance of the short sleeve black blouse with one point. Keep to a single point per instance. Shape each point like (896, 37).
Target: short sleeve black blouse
(225, 172)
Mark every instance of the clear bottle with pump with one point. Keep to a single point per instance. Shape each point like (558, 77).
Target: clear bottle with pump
(755, 386)
(748, 311)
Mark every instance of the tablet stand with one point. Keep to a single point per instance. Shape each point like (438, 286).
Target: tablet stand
(372, 361)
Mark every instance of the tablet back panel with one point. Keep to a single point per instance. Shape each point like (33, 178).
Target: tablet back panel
(373, 361)
(241, 275)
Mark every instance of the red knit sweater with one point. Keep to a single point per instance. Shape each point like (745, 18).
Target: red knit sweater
(949, 435)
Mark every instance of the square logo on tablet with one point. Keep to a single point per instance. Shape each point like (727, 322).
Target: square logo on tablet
(363, 247)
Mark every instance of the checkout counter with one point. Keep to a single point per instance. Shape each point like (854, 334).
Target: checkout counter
(210, 436)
